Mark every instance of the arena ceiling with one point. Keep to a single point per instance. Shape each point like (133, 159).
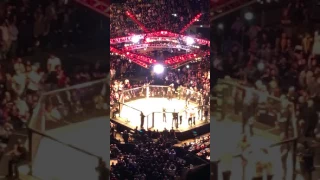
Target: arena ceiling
(130, 46)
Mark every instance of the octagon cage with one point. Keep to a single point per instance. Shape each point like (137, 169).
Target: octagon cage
(188, 95)
(58, 115)
(269, 124)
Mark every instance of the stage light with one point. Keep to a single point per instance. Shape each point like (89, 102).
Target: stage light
(220, 26)
(135, 39)
(158, 69)
(189, 40)
(248, 16)
(188, 66)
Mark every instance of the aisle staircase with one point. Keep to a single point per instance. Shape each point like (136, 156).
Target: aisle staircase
(100, 6)
(228, 7)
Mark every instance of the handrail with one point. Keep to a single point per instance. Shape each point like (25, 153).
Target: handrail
(66, 144)
(37, 108)
(236, 84)
(132, 89)
(130, 107)
(76, 86)
(269, 146)
(157, 86)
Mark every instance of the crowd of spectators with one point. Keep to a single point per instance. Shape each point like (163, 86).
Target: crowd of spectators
(158, 15)
(195, 76)
(282, 60)
(151, 158)
(27, 27)
(153, 146)
(22, 87)
(152, 154)
(200, 146)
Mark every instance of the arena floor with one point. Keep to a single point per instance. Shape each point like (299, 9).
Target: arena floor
(56, 161)
(131, 117)
(222, 140)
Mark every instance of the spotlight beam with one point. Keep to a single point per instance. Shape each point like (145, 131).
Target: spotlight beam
(138, 59)
(134, 19)
(96, 5)
(193, 20)
(175, 60)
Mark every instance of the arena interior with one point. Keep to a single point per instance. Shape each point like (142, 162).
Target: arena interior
(243, 71)
(265, 79)
(160, 89)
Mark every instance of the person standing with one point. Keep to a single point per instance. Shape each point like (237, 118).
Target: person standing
(164, 117)
(188, 94)
(316, 44)
(193, 117)
(169, 93)
(142, 120)
(18, 155)
(175, 115)
(179, 92)
(52, 64)
(284, 150)
(180, 116)
(306, 161)
(125, 137)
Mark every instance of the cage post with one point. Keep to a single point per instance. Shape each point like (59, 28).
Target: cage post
(294, 158)
(30, 136)
(147, 91)
(147, 121)
(152, 119)
(42, 117)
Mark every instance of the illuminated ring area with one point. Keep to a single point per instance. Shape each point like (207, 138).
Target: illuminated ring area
(151, 101)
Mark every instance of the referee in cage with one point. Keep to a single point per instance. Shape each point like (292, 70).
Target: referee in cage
(164, 115)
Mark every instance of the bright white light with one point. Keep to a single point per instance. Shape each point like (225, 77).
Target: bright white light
(248, 16)
(189, 40)
(158, 69)
(188, 66)
(220, 26)
(175, 15)
(135, 39)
